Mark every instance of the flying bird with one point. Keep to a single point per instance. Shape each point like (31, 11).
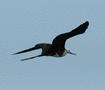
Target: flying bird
(57, 48)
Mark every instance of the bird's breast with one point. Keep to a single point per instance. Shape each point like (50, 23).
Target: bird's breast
(60, 53)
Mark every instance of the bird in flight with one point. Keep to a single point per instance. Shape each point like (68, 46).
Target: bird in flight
(57, 48)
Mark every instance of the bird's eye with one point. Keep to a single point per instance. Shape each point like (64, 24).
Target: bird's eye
(37, 46)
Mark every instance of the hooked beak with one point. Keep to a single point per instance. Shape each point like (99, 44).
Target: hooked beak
(72, 53)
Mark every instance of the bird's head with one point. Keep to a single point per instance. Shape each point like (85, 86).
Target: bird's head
(37, 46)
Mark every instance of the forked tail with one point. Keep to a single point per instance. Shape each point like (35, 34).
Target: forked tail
(31, 57)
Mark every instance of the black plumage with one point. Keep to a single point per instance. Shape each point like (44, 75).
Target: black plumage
(57, 48)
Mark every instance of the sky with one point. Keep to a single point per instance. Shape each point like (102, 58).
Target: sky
(24, 23)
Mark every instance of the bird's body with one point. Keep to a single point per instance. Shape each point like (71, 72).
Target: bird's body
(57, 48)
(49, 50)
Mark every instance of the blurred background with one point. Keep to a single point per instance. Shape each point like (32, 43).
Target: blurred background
(24, 23)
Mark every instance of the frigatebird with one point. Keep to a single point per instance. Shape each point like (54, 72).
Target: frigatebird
(57, 48)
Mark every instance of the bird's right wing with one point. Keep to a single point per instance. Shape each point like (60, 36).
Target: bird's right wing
(59, 41)
(26, 50)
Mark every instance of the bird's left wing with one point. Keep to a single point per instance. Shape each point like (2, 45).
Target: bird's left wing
(59, 41)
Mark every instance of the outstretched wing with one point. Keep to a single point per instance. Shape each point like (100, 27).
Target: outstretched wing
(42, 46)
(26, 50)
(59, 41)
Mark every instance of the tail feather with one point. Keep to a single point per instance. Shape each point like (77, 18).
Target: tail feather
(31, 57)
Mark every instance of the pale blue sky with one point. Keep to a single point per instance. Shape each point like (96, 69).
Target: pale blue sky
(24, 23)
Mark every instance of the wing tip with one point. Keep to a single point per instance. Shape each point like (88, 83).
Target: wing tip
(87, 23)
(84, 26)
(14, 53)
